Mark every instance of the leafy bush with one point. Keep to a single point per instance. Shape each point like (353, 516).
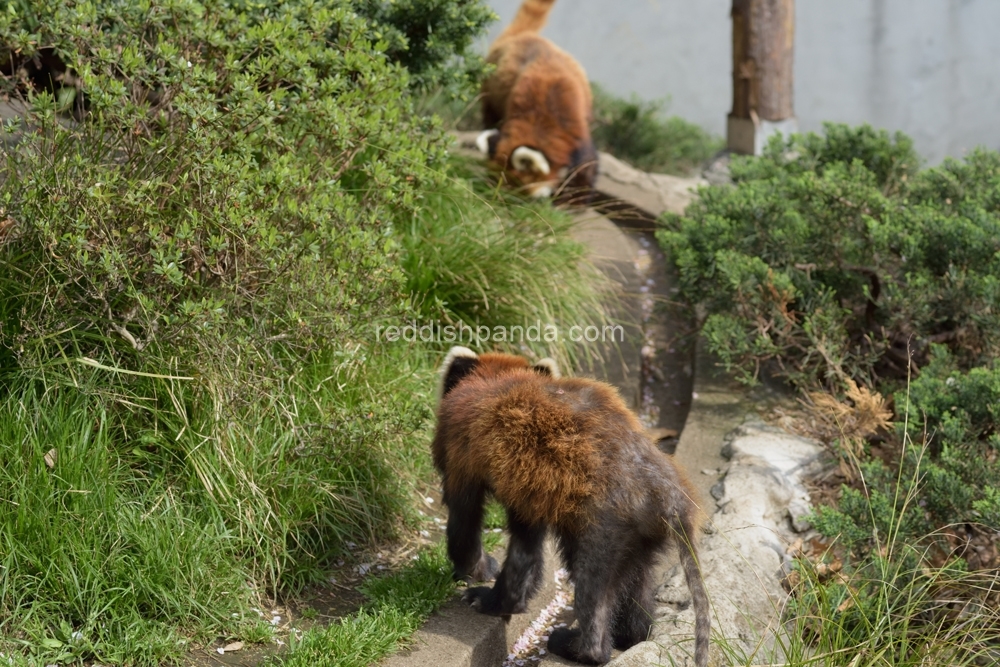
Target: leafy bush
(639, 133)
(188, 271)
(203, 201)
(432, 39)
(948, 473)
(836, 262)
(833, 257)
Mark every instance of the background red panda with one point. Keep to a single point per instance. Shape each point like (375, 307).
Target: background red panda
(537, 108)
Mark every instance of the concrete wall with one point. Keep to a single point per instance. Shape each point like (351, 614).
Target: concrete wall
(930, 68)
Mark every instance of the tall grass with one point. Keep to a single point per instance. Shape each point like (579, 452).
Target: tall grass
(99, 559)
(487, 258)
(133, 524)
(895, 612)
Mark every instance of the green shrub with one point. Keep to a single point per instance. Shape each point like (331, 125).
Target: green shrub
(834, 257)
(949, 471)
(432, 39)
(187, 276)
(207, 202)
(639, 133)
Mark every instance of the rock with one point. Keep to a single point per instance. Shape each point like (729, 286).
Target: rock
(655, 193)
(788, 453)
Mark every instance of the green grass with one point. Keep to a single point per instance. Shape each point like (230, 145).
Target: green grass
(160, 526)
(98, 548)
(496, 515)
(641, 134)
(397, 604)
(895, 612)
(486, 258)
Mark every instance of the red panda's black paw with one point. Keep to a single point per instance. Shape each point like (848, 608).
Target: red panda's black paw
(483, 600)
(565, 643)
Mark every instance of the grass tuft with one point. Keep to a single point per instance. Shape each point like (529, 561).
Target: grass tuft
(486, 258)
(397, 605)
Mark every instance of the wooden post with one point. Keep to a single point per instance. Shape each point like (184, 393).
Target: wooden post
(763, 47)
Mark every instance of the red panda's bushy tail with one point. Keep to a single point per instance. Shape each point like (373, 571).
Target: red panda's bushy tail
(702, 626)
(530, 17)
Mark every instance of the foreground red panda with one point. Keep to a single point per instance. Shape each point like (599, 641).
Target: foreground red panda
(562, 454)
(537, 109)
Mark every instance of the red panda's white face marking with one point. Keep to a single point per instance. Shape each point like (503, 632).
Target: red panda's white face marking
(527, 167)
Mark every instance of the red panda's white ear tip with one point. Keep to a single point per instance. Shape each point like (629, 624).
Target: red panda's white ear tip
(458, 363)
(548, 366)
(529, 160)
(483, 141)
(456, 352)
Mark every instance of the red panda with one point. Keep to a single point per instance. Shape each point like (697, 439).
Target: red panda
(537, 109)
(563, 454)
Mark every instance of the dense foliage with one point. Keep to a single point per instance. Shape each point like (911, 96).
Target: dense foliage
(949, 472)
(836, 263)
(432, 39)
(234, 174)
(198, 232)
(834, 257)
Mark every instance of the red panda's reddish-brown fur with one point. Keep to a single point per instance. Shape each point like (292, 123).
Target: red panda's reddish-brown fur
(564, 454)
(538, 98)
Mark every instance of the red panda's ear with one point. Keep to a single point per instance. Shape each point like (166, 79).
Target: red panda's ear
(486, 142)
(530, 161)
(547, 366)
(459, 363)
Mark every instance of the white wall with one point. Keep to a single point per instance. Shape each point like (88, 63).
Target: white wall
(930, 68)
